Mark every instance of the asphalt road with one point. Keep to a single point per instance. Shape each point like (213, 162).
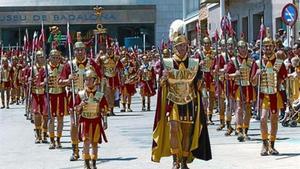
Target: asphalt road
(129, 145)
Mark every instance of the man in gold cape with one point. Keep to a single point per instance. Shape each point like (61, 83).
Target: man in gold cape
(180, 125)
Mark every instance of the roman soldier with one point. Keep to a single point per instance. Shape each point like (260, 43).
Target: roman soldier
(218, 72)
(239, 69)
(15, 91)
(229, 84)
(147, 81)
(206, 63)
(92, 108)
(23, 76)
(180, 120)
(39, 100)
(111, 68)
(272, 73)
(128, 80)
(80, 64)
(58, 99)
(6, 77)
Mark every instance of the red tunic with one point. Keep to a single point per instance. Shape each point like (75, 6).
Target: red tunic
(219, 62)
(114, 82)
(248, 91)
(15, 79)
(24, 78)
(147, 87)
(273, 98)
(8, 83)
(39, 101)
(58, 103)
(90, 125)
(129, 88)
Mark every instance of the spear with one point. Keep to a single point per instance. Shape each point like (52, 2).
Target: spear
(217, 75)
(71, 70)
(31, 74)
(47, 71)
(260, 65)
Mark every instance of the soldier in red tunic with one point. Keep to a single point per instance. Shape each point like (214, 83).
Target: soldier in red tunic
(39, 100)
(111, 68)
(128, 81)
(80, 64)
(92, 107)
(5, 82)
(58, 99)
(272, 73)
(15, 91)
(208, 92)
(239, 69)
(147, 81)
(229, 83)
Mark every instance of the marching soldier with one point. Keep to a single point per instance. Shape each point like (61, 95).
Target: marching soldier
(272, 73)
(147, 81)
(39, 100)
(229, 84)
(180, 100)
(218, 71)
(58, 100)
(23, 78)
(128, 81)
(5, 82)
(92, 107)
(206, 67)
(111, 68)
(239, 69)
(80, 64)
(15, 91)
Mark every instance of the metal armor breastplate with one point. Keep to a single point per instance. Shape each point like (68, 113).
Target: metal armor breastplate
(109, 67)
(91, 110)
(269, 81)
(181, 87)
(208, 61)
(146, 73)
(129, 76)
(245, 68)
(15, 74)
(54, 87)
(79, 71)
(35, 89)
(5, 75)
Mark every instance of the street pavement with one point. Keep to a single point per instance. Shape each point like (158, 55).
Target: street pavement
(129, 146)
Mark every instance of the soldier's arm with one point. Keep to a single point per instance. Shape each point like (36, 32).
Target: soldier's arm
(64, 75)
(254, 74)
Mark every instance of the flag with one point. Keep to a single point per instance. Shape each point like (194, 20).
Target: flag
(197, 27)
(216, 37)
(262, 31)
(230, 28)
(41, 39)
(26, 41)
(162, 44)
(34, 41)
